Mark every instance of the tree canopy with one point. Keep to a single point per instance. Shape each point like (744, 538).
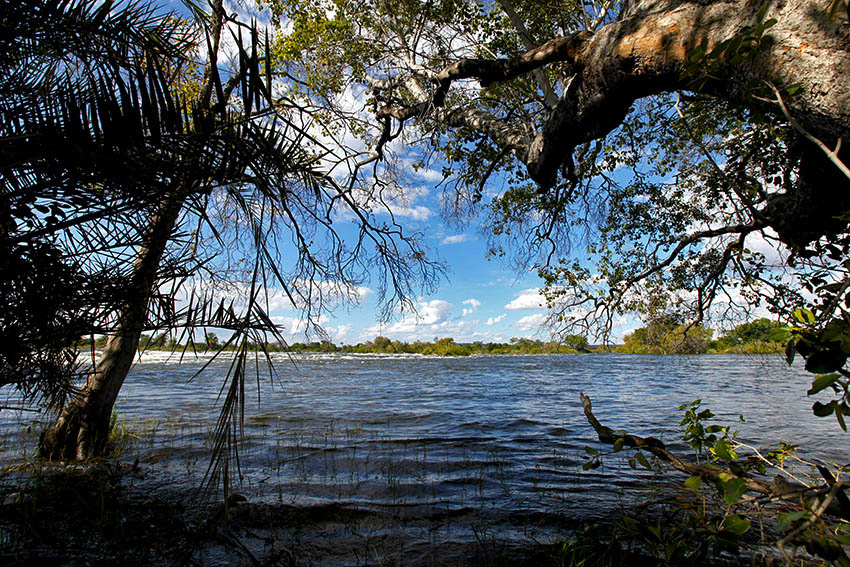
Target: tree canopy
(148, 175)
(676, 149)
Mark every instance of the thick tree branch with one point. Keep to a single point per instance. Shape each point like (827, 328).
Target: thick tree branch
(647, 51)
(491, 71)
(779, 489)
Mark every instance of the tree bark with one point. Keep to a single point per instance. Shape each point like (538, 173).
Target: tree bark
(647, 51)
(82, 429)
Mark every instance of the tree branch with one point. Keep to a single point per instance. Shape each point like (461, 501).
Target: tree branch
(831, 154)
(780, 490)
(648, 52)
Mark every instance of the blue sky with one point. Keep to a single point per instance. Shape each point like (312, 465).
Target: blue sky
(480, 299)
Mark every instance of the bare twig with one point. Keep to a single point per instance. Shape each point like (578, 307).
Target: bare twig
(817, 512)
(831, 154)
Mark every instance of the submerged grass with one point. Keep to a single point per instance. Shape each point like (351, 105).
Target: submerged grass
(138, 507)
(74, 515)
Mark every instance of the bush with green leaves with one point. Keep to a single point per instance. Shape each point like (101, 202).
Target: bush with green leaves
(738, 502)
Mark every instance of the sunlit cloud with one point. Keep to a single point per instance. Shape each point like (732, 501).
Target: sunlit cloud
(431, 319)
(456, 239)
(528, 299)
(474, 304)
(766, 242)
(531, 323)
(494, 320)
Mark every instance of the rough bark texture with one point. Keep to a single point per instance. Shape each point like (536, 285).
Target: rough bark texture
(82, 429)
(645, 52)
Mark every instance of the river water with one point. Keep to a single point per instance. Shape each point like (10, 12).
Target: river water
(441, 451)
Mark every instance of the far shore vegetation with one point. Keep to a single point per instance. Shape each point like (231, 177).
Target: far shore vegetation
(660, 336)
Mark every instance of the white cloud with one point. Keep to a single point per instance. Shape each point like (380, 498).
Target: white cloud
(432, 312)
(766, 242)
(403, 201)
(432, 319)
(493, 320)
(325, 292)
(414, 213)
(425, 174)
(429, 175)
(474, 304)
(528, 299)
(339, 334)
(456, 239)
(429, 314)
(531, 322)
(386, 196)
(293, 329)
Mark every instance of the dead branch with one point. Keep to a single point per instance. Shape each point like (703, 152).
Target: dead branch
(779, 489)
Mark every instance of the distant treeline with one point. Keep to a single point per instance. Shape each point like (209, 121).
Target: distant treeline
(661, 336)
(380, 345)
(448, 347)
(666, 335)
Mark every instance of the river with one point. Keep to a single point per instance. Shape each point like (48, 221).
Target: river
(430, 452)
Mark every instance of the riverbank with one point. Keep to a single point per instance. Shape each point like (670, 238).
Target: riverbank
(748, 338)
(75, 516)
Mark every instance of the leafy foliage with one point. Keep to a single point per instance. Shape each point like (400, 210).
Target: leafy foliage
(688, 200)
(149, 176)
(69, 145)
(711, 516)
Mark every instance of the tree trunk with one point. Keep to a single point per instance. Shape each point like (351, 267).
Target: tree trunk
(82, 429)
(648, 51)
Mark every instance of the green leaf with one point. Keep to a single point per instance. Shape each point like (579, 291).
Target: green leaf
(823, 361)
(724, 451)
(779, 334)
(591, 465)
(591, 451)
(732, 489)
(823, 410)
(804, 315)
(618, 444)
(631, 523)
(694, 482)
(736, 524)
(790, 352)
(834, 331)
(642, 460)
(822, 382)
(787, 520)
(656, 531)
